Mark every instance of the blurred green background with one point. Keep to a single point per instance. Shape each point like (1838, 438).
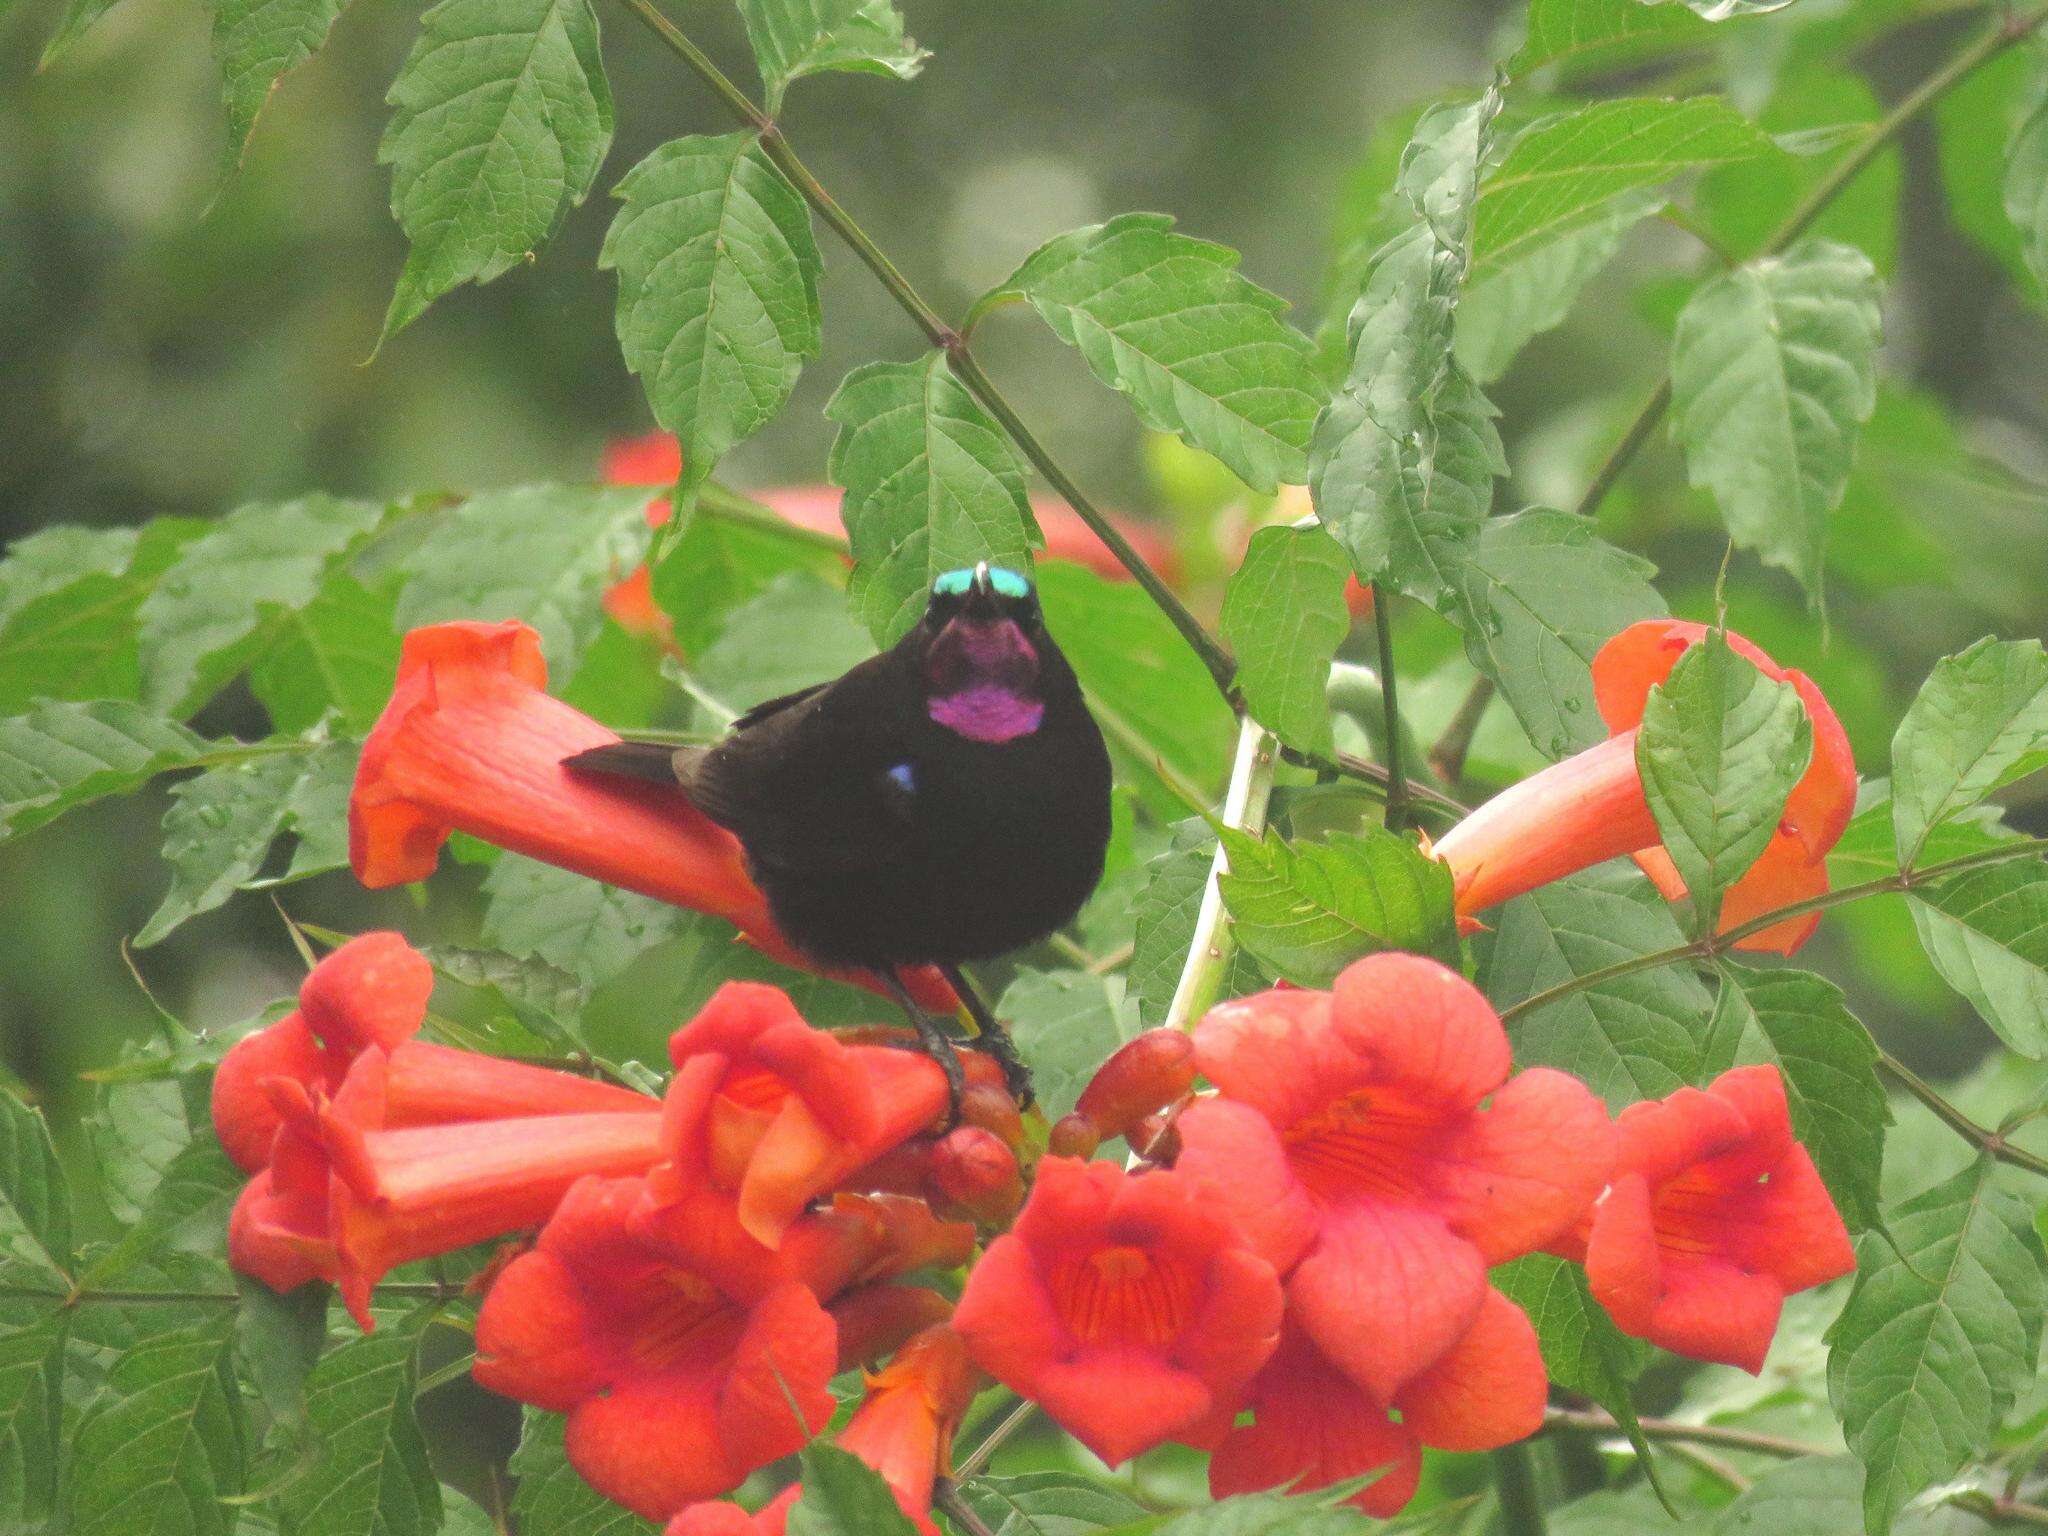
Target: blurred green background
(178, 339)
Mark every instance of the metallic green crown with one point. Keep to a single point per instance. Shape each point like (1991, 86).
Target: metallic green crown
(1000, 579)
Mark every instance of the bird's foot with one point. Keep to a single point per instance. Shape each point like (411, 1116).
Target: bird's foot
(934, 1042)
(993, 1037)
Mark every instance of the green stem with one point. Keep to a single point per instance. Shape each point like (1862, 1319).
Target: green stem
(1514, 1480)
(1209, 951)
(1390, 706)
(1349, 766)
(777, 148)
(1984, 1137)
(1592, 1421)
(1010, 1423)
(426, 1291)
(728, 505)
(1847, 169)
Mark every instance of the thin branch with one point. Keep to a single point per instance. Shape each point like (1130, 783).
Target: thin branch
(1594, 1421)
(1847, 169)
(1010, 1423)
(1708, 948)
(445, 1291)
(1447, 756)
(1209, 951)
(1984, 1137)
(1397, 779)
(1345, 764)
(1215, 656)
(958, 1510)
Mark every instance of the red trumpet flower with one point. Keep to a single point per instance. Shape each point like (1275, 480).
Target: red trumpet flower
(346, 1201)
(372, 992)
(1350, 1143)
(1714, 1217)
(1313, 1426)
(684, 1354)
(470, 742)
(904, 1430)
(1591, 807)
(1125, 1305)
(774, 1113)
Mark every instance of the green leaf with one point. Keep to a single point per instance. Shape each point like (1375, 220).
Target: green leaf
(1723, 10)
(63, 755)
(590, 930)
(1798, 1022)
(1600, 34)
(1720, 748)
(540, 998)
(718, 291)
(1403, 459)
(542, 554)
(1773, 369)
(717, 564)
(1583, 1352)
(1310, 909)
(794, 38)
(185, 1218)
(164, 1439)
(1810, 1496)
(1135, 666)
(1987, 933)
(79, 17)
(844, 1496)
(137, 1130)
(1563, 169)
(230, 591)
(1049, 1504)
(31, 1423)
(796, 633)
(552, 1499)
(1065, 1025)
(2026, 174)
(372, 1478)
(1169, 900)
(1980, 720)
(1542, 593)
(1199, 349)
(1507, 303)
(1938, 1338)
(1257, 1514)
(278, 1339)
(68, 604)
(1284, 616)
(339, 652)
(502, 118)
(35, 1198)
(1632, 1037)
(222, 822)
(257, 43)
(931, 485)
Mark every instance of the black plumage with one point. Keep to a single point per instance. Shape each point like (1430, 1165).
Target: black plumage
(944, 801)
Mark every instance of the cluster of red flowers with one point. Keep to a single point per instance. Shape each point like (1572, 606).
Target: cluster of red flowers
(1293, 1272)
(1310, 1242)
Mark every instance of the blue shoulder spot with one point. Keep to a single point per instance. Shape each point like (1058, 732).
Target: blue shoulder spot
(904, 776)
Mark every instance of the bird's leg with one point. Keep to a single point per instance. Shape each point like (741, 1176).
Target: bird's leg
(994, 1038)
(934, 1042)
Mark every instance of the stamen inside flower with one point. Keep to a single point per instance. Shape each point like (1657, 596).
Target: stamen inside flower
(1368, 1141)
(1124, 1295)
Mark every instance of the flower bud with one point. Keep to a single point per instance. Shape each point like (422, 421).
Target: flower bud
(1146, 1075)
(974, 1170)
(1074, 1136)
(991, 1107)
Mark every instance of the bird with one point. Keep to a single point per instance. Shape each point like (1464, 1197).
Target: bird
(944, 801)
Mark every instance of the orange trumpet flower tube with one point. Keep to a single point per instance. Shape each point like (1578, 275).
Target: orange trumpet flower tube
(372, 992)
(1714, 1217)
(775, 1113)
(1372, 1144)
(1123, 1304)
(472, 742)
(346, 1201)
(1591, 807)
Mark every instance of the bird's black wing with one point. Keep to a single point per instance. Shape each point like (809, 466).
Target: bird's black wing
(675, 767)
(777, 705)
